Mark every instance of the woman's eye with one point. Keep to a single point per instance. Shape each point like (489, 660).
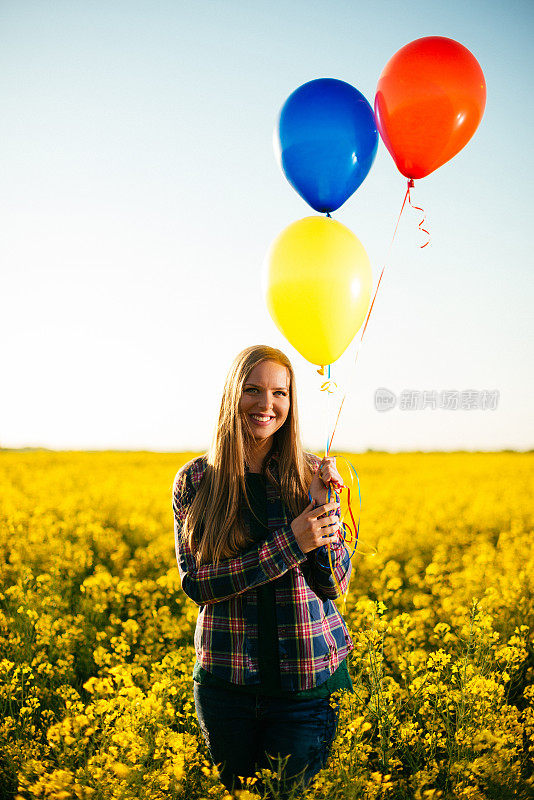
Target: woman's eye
(279, 391)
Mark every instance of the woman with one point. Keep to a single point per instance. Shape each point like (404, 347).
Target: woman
(271, 645)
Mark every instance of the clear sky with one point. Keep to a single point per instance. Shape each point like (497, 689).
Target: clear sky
(139, 194)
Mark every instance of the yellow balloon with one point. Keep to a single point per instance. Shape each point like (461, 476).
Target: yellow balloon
(317, 284)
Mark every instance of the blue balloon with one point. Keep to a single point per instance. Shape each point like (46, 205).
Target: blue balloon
(327, 141)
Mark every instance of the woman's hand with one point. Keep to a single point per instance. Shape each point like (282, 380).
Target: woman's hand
(311, 531)
(325, 474)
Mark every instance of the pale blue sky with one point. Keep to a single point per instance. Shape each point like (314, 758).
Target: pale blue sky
(139, 194)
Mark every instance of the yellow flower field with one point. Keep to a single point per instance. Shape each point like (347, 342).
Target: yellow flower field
(96, 636)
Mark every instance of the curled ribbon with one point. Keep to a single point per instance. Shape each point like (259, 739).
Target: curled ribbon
(418, 208)
(329, 386)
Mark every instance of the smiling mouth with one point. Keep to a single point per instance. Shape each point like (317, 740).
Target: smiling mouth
(261, 420)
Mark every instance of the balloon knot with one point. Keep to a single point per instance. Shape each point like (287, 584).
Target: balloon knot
(328, 215)
(321, 370)
(411, 183)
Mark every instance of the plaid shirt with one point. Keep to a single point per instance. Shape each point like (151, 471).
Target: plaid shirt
(313, 638)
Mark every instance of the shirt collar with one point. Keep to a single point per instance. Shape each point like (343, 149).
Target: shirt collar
(272, 459)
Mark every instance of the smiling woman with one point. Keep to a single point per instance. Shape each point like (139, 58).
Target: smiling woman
(270, 643)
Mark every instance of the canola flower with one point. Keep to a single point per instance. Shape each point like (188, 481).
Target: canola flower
(96, 636)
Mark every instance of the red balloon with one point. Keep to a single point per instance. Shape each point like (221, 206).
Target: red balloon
(429, 101)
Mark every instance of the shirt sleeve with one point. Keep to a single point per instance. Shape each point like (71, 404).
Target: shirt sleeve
(323, 581)
(211, 583)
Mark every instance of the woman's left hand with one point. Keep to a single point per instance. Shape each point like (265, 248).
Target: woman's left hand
(325, 474)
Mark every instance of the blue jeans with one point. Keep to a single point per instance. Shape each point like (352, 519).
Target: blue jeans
(246, 732)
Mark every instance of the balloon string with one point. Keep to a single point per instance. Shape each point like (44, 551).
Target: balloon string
(327, 386)
(341, 594)
(406, 197)
(345, 526)
(330, 386)
(329, 440)
(418, 208)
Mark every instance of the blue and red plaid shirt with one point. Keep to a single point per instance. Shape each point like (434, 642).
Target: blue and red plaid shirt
(313, 638)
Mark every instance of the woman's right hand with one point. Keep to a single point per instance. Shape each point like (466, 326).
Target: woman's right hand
(310, 531)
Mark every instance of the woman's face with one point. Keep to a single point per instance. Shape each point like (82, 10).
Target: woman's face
(265, 399)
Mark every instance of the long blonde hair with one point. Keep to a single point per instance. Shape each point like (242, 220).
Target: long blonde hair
(214, 526)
